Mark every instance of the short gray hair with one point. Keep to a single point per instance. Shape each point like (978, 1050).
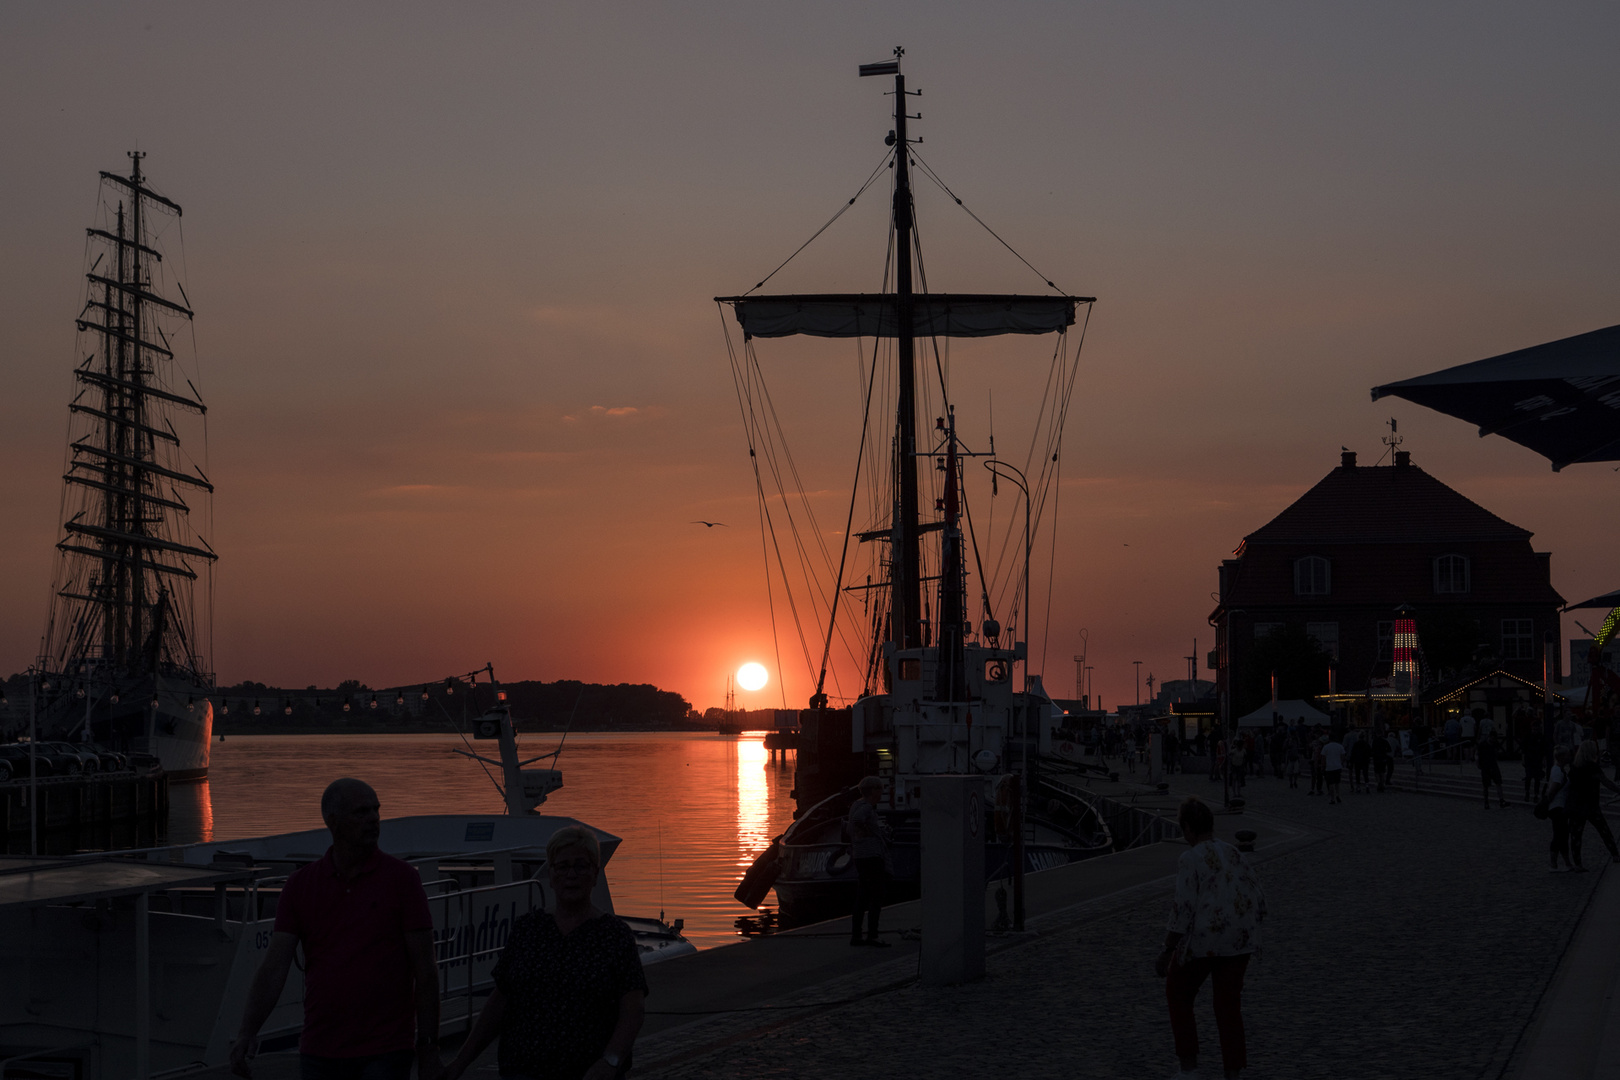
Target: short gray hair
(574, 836)
(338, 793)
(870, 784)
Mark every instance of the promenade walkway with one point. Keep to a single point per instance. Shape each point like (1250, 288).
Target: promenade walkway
(1409, 936)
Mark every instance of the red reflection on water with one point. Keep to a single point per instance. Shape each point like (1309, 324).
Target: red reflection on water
(692, 809)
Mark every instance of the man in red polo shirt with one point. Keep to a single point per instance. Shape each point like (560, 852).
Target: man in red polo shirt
(371, 987)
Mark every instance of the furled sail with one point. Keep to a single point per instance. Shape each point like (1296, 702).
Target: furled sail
(878, 314)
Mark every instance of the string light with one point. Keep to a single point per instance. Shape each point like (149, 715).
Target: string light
(113, 697)
(400, 698)
(345, 706)
(449, 686)
(155, 702)
(287, 709)
(424, 693)
(255, 706)
(79, 693)
(191, 704)
(225, 708)
(373, 701)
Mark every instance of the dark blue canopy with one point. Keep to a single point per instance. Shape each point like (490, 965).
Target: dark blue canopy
(1561, 399)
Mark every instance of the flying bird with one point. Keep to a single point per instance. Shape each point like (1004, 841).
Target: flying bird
(712, 524)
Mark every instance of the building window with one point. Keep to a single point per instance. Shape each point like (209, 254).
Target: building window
(1311, 576)
(1451, 574)
(1264, 630)
(1386, 641)
(1325, 634)
(1518, 639)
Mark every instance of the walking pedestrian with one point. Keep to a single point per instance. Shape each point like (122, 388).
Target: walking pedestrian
(1239, 763)
(371, 981)
(1533, 748)
(1557, 802)
(1490, 771)
(867, 845)
(1217, 735)
(1318, 771)
(1360, 762)
(1381, 759)
(1292, 764)
(1214, 928)
(1585, 805)
(1333, 769)
(569, 992)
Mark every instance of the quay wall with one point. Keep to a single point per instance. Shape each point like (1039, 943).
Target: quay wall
(83, 804)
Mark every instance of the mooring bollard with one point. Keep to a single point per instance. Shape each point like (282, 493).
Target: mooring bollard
(953, 825)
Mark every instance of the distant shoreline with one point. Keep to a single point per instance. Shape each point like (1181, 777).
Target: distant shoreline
(418, 729)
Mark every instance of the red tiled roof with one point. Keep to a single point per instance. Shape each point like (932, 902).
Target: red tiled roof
(1383, 504)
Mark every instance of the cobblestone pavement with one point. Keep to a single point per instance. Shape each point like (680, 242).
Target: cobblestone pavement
(1414, 940)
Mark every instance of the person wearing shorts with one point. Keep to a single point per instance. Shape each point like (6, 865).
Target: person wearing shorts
(1333, 769)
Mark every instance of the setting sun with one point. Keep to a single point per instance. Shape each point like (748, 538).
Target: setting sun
(752, 676)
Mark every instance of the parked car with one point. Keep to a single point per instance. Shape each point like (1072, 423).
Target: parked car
(111, 760)
(14, 761)
(73, 759)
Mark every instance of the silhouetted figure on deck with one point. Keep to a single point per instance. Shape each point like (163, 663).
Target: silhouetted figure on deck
(867, 845)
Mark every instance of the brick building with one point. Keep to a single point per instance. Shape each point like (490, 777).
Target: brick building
(1368, 540)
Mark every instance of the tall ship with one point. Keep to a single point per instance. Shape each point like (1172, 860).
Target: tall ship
(125, 657)
(942, 614)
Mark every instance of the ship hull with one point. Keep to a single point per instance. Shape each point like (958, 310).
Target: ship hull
(177, 732)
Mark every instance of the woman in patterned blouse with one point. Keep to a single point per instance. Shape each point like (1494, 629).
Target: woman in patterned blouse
(569, 991)
(1214, 929)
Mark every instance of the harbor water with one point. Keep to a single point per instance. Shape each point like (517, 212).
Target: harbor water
(693, 808)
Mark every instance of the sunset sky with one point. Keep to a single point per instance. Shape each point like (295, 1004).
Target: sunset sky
(454, 269)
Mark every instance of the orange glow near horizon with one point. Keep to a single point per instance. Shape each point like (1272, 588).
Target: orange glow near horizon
(488, 414)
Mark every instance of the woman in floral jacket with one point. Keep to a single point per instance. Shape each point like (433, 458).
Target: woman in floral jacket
(1214, 928)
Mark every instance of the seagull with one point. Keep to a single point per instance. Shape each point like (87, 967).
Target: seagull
(712, 524)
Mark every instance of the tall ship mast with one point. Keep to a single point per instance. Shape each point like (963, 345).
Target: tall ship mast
(940, 692)
(125, 659)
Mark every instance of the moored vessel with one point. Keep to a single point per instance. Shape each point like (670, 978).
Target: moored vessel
(943, 691)
(125, 659)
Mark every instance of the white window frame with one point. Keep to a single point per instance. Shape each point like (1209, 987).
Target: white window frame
(1307, 564)
(1523, 633)
(1445, 581)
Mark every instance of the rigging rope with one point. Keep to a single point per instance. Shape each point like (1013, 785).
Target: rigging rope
(875, 173)
(929, 172)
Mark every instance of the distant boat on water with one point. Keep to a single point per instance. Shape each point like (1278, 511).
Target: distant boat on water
(125, 658)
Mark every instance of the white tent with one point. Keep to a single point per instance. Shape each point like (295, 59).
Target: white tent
(1291, 710)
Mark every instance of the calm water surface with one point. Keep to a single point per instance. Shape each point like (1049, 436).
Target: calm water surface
(692, 808)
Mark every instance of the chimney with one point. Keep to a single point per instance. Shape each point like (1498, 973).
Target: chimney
(1347, 458)
(1403, 458)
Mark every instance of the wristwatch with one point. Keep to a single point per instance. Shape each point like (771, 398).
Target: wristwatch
(611, 1058)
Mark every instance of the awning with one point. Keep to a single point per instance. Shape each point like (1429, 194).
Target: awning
(878, 315)
(1607, 601)
(1561, 399)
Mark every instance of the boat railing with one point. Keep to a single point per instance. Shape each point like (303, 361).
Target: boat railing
(463, 948)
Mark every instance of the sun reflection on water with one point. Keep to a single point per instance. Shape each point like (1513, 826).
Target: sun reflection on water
(753, 801)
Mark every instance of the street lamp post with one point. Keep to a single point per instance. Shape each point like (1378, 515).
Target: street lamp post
(1138, 664)
(996, 468)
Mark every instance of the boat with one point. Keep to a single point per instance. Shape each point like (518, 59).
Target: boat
(125, 662)
(139, 963)
(943, 692)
